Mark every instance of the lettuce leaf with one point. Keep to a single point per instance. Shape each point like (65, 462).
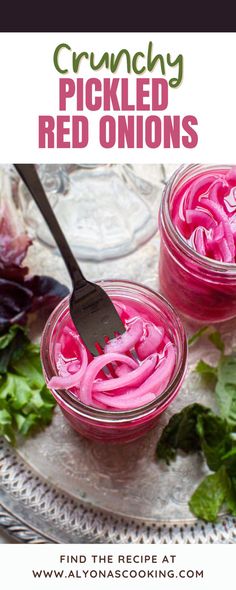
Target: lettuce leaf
(25, 401)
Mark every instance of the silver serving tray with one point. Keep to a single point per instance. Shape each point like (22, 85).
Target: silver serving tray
(58, 487)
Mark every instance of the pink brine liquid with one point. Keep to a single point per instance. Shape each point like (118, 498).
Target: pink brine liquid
(198, 248)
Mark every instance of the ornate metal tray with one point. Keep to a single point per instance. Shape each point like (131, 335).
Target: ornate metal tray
(60, 488)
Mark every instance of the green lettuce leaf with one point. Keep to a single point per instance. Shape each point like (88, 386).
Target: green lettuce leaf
(12, 345)
(25, 401)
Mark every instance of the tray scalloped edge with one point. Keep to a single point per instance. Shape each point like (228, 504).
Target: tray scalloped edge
(65, 520)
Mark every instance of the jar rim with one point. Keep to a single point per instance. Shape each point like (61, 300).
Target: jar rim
(208, 263)
(71, 402)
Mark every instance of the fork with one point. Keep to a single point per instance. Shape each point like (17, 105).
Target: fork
(92, 311)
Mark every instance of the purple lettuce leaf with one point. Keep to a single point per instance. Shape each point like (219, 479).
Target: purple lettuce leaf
(20, 293)
(46, 291)
(17, 299)
(15, 303)
(14, 242)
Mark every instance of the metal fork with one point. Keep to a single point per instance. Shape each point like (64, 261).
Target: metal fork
(92, 311)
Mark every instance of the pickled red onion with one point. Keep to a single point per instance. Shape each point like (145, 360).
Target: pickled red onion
(125, 402)
(160, 378)
(122, 370)
(204, 211)
(198, 188)
(71, 380)
(152, 341)
(93, 369)
(140, 373)
(133, 382)
(231, 176)
(126, 341)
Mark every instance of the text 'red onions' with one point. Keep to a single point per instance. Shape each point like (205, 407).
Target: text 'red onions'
(131, 382)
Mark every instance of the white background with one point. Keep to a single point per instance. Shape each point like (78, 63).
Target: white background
(217, 563)
(29, 88)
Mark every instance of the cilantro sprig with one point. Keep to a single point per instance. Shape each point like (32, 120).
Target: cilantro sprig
(197, 429)
(25, 401)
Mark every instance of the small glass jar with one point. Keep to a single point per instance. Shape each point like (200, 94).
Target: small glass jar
(117, 426)
(200, 288)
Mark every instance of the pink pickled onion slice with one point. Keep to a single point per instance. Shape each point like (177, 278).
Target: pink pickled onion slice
(121, 370)
(208, 201)
(121, 311)
(199, 240)
(124, 402)
(71, 380)
(73, 366)
(198, 188)
(226, 255)
(233, 228)
(151, 343)
(160, 378)
(66, 369)
(218, 190)
(218, 233)
(93, 369)
(135, 377)
(231, 176)
(199, 217)
(126, 341)
(221, 216)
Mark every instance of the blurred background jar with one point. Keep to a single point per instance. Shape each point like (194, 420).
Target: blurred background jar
(106, 211)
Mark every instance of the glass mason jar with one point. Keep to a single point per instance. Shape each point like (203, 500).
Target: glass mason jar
(106, 210)
(117, 426)
(200, 288)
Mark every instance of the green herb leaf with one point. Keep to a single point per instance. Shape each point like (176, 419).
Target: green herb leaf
(205, 369)
(226, 401)
(229, 461)
(223, 377)
(215, 338)
(210, 495)
(231, 497)
(227, 369)
(181, 433)
(208, 372)
(195, 337)
(225, 389)
(215, 439)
